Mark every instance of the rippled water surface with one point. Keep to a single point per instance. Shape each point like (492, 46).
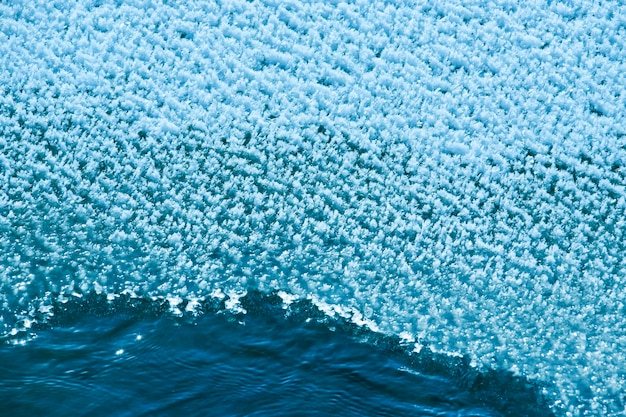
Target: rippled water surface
(130, 358)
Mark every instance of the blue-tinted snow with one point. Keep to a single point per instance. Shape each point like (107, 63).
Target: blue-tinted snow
(454, 172)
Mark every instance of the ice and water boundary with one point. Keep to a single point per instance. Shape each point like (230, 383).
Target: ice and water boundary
(455, 171)
(498, 390)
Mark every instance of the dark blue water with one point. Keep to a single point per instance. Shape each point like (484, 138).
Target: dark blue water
(132, 358)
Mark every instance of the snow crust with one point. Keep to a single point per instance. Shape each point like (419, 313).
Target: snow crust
(453, 172)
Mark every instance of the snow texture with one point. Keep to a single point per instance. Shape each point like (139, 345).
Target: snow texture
(455, 172)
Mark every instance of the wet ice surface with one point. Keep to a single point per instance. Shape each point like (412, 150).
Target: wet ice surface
(452, 173)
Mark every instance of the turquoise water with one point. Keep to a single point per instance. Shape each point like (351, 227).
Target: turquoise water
(132, 358)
